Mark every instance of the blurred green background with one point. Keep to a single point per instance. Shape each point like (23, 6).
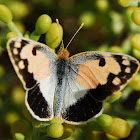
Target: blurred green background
(108, 27)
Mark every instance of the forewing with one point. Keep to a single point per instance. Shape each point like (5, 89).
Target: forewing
(94, 76)
(34, 64)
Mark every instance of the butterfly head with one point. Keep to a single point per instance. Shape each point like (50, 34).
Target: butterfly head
(63, 53)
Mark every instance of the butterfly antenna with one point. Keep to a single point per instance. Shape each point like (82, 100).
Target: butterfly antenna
(75, 34)
(62, 44)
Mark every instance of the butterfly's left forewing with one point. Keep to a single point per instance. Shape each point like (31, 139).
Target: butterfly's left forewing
(34, 64)
(94, 76)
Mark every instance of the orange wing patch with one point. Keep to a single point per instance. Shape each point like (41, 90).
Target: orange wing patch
(91, 74)
(35, 66)
(86, 77)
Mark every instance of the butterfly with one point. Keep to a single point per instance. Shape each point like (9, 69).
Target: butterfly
(72, 88)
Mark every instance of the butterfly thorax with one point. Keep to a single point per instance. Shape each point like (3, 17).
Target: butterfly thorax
(63, 53)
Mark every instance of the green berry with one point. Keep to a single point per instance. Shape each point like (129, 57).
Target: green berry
(102, 5)
(103, 48)
(88, 18)
(115, 49)
(56, 120)
(43, 24)
(136, 53)
(114, 97)
(19, 9)
(36, 123)
(54, 35)
(68, 131)
(19, 136)
(126, 46)
(18, 96)
(138, 105)
(138, 102)
(129, 23)
(136, 17)
(94, 126)
(27, 36)
(11, 35)
(2, 70)
(119, 128)
(104, 120)
(124, 3)
(135, 40)
(11, 117)
(5, 14)
(4, 91)
(110, 137)
(135, 83)
(117, 24)
(20, 127)
(106, 106)
(55, 130)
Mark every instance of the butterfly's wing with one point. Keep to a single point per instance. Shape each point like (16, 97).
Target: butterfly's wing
(91, 78)
(34, 64)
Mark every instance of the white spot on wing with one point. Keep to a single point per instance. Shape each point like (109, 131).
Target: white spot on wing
(15, 51)
(126, 62)
(127, 70)
(21, 64)
(116, 81)
(17, 44)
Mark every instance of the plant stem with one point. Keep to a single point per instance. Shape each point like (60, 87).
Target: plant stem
(35, 134)
(35, 36)
(11, 25)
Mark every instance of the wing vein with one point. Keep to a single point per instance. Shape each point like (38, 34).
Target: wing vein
(80, 75)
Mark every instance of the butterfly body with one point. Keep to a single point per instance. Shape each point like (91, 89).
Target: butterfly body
(60, 77)
(72, 88)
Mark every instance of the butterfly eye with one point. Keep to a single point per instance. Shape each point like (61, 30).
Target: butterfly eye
(34, 51)
(102, 62)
